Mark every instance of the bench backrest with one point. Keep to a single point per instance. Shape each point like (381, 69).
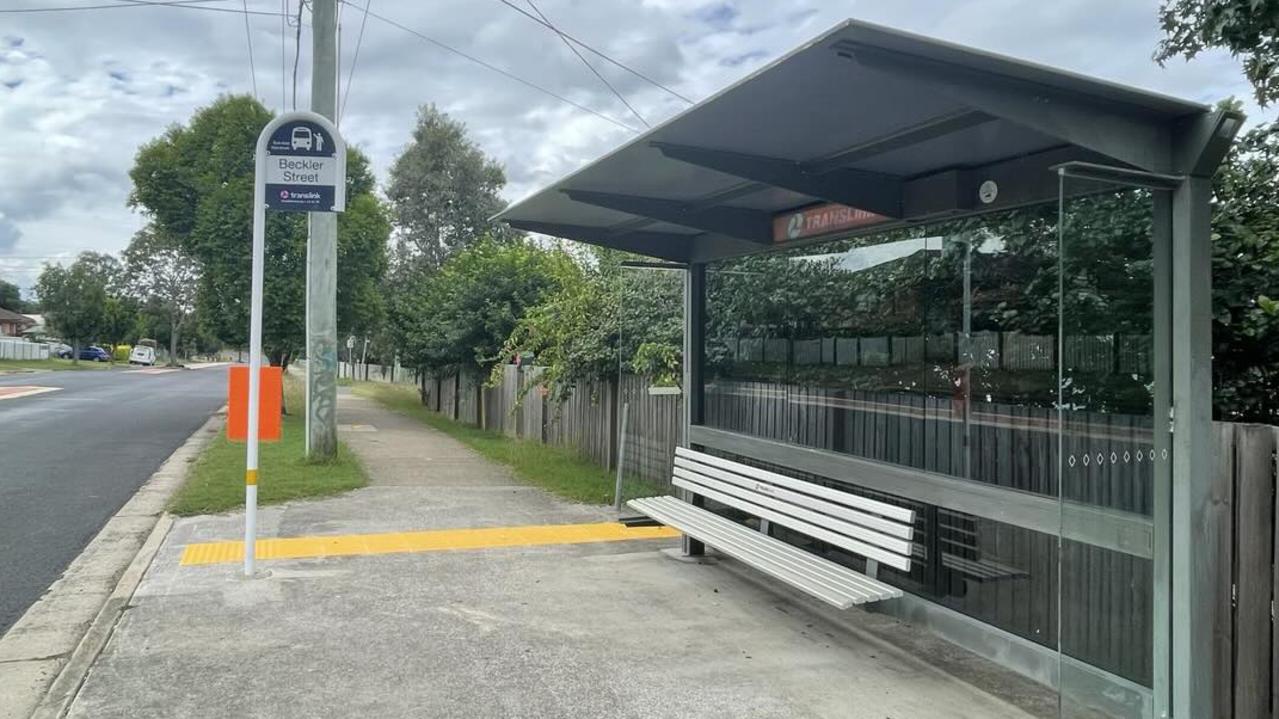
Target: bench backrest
(876, 530)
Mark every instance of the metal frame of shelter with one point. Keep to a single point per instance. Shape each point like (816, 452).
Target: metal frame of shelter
(913, 130)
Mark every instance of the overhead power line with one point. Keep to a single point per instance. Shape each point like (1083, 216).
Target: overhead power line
(593, 51)
(588, 64)
(355, 58)
(297, 53)
(248, 37)
(491, 66)
(284, 54)
(126, 4)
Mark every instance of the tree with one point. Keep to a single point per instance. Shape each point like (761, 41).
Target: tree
(601, 318)
(160, 273)
(119, 321)
(195, 184)
(460, 316)
(443, 190)
(1245, 223)
(11, 297)
(74, 299)
(1249, 29)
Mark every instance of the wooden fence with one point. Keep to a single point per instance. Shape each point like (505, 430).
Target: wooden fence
(588, 421)
(1247, 636)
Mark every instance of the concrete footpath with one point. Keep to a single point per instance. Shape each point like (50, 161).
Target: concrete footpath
(606, 627)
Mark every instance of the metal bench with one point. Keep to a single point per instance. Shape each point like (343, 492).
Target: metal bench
(877, 531)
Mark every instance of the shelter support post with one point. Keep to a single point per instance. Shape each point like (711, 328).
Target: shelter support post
(694, 351)
(1198, 510)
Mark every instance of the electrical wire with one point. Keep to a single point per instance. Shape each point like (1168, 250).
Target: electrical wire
(248, 37)
(297, 53)
(122, 4)
(593, 51)
(284, 55)
(355, 58)
(587, 63)
(494, 68)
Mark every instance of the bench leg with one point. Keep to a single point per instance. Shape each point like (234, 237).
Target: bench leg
(691, 547)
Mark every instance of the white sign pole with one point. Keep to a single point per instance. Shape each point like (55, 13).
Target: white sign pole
(307, 174)
(255, 352)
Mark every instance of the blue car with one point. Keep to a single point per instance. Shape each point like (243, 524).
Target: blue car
(94, 354)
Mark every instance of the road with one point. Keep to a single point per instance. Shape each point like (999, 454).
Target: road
(71, 457)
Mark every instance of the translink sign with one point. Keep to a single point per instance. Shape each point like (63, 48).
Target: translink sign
(304, 172)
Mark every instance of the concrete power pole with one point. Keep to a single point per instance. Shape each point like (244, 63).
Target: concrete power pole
(322, 257)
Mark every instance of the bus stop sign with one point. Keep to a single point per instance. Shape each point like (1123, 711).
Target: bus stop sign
(303, 170)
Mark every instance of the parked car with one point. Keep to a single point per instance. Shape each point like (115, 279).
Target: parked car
(95, 354)
(141, 354)
(60, 350)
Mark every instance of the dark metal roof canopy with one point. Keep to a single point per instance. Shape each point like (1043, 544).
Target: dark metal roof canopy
(898, 125)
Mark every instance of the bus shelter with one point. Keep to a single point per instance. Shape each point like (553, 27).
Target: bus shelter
(972, 285)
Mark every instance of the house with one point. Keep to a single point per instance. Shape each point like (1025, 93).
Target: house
(12, 324)
(38, 329)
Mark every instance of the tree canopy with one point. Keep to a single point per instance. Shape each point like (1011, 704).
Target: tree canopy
(11, 297)
(443, 189)
(1249, 29)
(195, 184)
(460, 316)
(75, 297)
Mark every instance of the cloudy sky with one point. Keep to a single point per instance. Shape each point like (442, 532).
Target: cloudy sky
(81, 90)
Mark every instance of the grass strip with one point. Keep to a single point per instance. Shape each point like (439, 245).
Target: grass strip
(216, 482)
(559, 470)
(52, 363)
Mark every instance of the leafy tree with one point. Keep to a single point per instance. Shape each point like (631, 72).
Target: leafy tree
(601, 319)
(362, 265)
(195, 183)
(11, 297)
(74, 299)
(460, 316)
(119, 321)
(1249, 29)
(443, 190)
(1245, 279)
(161, 274)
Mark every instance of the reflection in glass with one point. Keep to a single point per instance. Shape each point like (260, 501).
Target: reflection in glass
(972, 350)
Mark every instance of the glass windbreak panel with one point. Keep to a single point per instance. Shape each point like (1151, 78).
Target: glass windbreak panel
(932, 348)
(1109, 455)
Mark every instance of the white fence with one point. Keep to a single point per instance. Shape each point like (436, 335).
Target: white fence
(12, 348)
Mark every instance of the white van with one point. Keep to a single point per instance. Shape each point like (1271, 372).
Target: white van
(141, 354)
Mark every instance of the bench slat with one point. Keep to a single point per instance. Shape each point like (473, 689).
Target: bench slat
(901, 514)
(866, 550)
(752, 547)
(870, 521)
(836, 585)
(888, 543)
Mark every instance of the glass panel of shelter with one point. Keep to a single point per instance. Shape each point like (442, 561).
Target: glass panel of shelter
(941, 349)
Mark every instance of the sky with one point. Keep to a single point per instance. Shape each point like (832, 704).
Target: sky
(81, 90)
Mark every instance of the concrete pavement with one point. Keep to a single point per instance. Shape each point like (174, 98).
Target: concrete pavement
(608, 629)
(70, 458)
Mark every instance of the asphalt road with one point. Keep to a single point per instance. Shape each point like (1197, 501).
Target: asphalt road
(69, 459)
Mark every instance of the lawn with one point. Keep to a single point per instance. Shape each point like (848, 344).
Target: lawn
(559, 470)
(52, 363)
(216, 482)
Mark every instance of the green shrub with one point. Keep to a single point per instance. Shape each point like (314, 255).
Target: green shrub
(121, 353)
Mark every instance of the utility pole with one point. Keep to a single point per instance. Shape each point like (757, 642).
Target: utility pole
(322, 257)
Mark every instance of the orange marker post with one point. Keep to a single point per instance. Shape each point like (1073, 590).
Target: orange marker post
(237, 420)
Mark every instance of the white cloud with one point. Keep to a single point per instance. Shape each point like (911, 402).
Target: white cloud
(80, 91)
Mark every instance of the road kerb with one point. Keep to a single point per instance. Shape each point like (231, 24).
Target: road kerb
(45, 654)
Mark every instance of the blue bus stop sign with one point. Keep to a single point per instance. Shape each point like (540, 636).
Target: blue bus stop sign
(303, 169)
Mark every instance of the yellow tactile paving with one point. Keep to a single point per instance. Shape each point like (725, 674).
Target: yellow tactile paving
(343, 545)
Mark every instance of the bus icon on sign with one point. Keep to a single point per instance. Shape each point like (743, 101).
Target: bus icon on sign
(301, 139)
